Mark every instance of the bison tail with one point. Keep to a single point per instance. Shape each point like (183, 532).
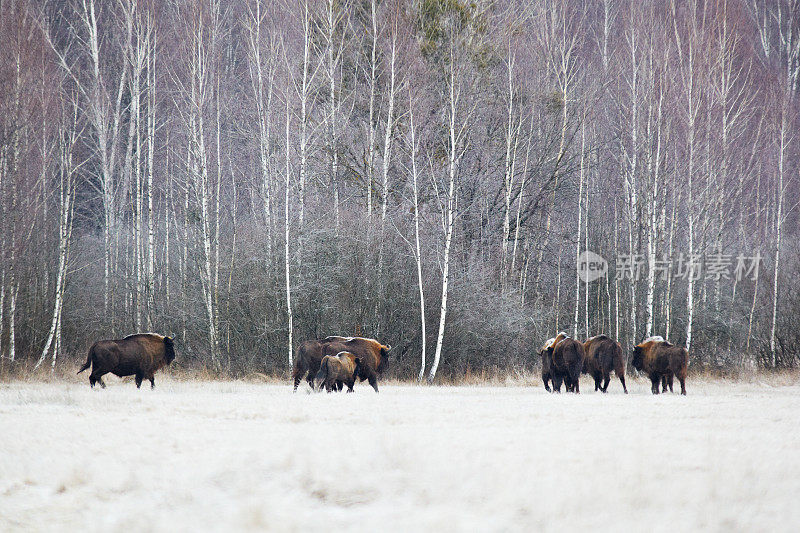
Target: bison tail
(88, 362)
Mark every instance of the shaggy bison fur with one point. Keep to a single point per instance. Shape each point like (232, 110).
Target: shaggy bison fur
(546, 360)
(602, 356)
(139, 355)
(372, 354)
(336, 370)
(564, 360)
(661, 360)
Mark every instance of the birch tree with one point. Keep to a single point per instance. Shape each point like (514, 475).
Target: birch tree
(286, 226)
(103, 92)
(784, 138)
(459, 102)
(514, 123)
(67, 138)
(417, 248)
(202, 31)
(261, 53)
(691, 94)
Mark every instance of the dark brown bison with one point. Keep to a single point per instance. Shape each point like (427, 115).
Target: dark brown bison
(338, 369)
(661, 360)
(602, 356)
(373, 355)
(546, 360)
(139, 355)
(307, 360)
(564, 358)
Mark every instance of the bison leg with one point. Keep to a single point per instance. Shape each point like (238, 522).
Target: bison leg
(546, 379)
(557, 384)
(620, 372)
(339, 386)
(139, 379)
(664, 383)
(97, 377)
(573, 379)
(297, 377)
(682, 380)
(655, 384)
(373, 380)
(299, 371)
(152, 382)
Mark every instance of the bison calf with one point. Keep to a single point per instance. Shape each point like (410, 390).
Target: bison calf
(602, 356)
(373, 355)
(661, 360)
(338, 369)
(139, 355)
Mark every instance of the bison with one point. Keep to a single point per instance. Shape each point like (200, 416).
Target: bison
(564, 359)
(307, 361)
(373, 355)
(602, 356)
(335, 370)
(543, 353)
(661, 360)
(139, 355)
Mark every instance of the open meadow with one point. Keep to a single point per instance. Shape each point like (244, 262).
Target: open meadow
(226, 456)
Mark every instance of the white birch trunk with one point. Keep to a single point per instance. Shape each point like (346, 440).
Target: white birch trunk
(304, 97)
(372, 122)
(449, 214)
(199, 172)
(64, 234)
(778, 234)
(286, 239)
(387, 154)
(387, 142)
(578, 246)
(652, 221)
(630, 182)
(151, 140)
(417, 251)
(519, 201)
(508, 178)
(263, 100)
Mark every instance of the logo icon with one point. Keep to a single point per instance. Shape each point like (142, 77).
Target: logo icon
(591, 266)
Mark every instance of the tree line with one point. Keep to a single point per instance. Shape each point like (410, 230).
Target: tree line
(247, 174)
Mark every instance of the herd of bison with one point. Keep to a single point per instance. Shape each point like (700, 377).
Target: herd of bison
(334, 361)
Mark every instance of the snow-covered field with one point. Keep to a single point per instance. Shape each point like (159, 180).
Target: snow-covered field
(225, 456)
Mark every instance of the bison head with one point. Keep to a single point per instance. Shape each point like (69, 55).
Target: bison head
(322, 374)
(638, 358)
(383, 366)
(169, 349)
(547, 356)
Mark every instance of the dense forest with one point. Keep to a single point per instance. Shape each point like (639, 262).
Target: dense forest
(247, 174)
